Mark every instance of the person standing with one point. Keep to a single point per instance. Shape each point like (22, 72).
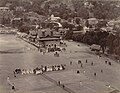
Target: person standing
(92, 64)
(80, 82)
(101, 71)
(8, 80)
(13, 86)
(110, 63)
(59, 82)
(78, 71)
(86, 60)
(63, 86)
(105, 62)
(70, 62)
(95, 74)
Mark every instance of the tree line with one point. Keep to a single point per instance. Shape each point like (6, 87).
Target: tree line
(99, 9)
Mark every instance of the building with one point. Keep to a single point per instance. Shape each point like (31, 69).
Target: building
(47, 37)
(92, 21)
(20, 8)
(16, 22)
(52, 18)
(47, 42)
(42, 33)
(4, 8)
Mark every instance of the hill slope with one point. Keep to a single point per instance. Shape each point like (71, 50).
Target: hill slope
(58, 2)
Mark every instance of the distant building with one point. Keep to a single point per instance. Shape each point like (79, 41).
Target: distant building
(4, 9)
(92, 21)
(52, 18)
(48, 37)
(19, 8)
(46, 42)
(42, 33)
(16, 22)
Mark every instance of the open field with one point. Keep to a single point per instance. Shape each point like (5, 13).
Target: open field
(83, 82)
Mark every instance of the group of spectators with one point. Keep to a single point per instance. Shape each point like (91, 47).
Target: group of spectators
(39, 70)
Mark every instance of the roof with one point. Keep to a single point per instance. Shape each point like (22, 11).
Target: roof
(54, 18)
(114, 22)
(17, 18)
(94, 46)
(92, 19)
(33, 18)
(59, 24)
(4, 8)
(48, 39)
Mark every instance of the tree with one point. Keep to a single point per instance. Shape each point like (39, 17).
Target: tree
(65, 25)
(109, 42)
(69, 34)
(79, 27)
(77, 20)
(106, 10)
(103, 44)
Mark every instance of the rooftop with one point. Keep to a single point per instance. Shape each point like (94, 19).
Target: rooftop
(48, 39)
(4, 8)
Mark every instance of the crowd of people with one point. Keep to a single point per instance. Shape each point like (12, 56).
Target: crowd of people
(39, 70)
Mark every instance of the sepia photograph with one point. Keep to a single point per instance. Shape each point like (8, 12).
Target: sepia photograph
(59, 46)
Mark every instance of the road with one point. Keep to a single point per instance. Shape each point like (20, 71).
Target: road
(15, 53)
